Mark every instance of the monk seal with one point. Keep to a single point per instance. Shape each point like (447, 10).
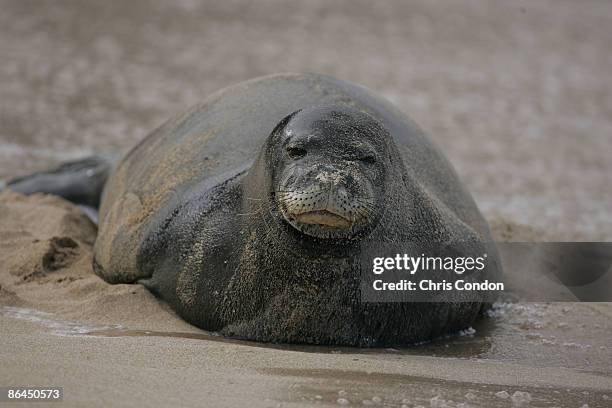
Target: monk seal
(248, 213)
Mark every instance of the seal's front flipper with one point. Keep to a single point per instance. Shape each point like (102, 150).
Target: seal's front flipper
(79, 181)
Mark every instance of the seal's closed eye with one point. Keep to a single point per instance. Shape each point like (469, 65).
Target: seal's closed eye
(368, 158)
(296, 152)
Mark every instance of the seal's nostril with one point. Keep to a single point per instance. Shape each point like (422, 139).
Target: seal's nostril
(329, 178)
(296, 152)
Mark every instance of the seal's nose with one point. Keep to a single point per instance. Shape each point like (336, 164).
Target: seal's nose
(329, 176)
(328, 179)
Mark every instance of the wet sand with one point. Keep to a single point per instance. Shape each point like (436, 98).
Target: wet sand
(517, 95)
(160, 371)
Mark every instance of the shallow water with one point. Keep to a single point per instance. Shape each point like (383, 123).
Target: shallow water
(462, 369)
(535, 335)
(66, 328)
(58, 326)
(574, 336)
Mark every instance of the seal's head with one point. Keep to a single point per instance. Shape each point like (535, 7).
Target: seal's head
(328, 180)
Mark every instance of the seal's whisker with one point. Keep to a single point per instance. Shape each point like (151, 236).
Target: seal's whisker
(365, 211)
(249, 213)
(367, 205)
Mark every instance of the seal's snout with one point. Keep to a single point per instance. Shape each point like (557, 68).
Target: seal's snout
(327, 197)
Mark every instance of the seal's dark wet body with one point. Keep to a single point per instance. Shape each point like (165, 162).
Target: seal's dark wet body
(195, 212)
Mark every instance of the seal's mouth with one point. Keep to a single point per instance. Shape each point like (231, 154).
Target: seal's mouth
(326, 211)
(323, 217)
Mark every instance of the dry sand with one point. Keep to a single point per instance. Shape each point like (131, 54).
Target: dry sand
(517, 94)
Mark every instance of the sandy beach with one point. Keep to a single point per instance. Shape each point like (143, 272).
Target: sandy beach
(63, 325)
(517, 95)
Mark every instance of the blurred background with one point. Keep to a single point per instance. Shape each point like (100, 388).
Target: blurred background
(517, 94)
